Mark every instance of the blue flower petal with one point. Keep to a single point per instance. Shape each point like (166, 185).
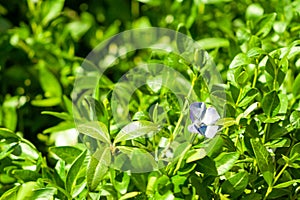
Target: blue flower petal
(211, 131)
(211, 116)
(202, 129)
(203, 120)
(197, 111)
(192, 128)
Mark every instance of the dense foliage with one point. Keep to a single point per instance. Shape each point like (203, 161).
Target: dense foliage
(255, 45)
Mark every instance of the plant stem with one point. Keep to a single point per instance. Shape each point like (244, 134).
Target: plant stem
(266, 132)
(280, 173)
(275, 180)
(184, 108)
(255, 76)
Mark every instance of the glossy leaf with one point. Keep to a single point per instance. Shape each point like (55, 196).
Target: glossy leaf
(98, 167)
(225, 161)
(271, 104)
(239, 60)
(236, 184)
(95, 130)
(73, 172)
(136, 129)
(263, 159)
(66, 153)
(265, 25)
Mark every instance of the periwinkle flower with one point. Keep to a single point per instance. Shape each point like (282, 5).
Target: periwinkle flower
(203, 120)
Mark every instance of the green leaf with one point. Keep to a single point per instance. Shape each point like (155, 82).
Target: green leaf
(60, 115)
(207, 166)
(49, 82)
(142, 161)
(263, 160)
(136, 129)
(296, 86)
(271, 104)
(120, 181)
(155, 83)
(242, 78)
(254, 11)
(26, 175)
(10, 116)
(247, 96)
(63, 126)
(265, 24)
(255, 51)
(151, 2)
(6, 133)
(49, 102)
(129, 195)
(178, 182)
(95, 130)
(183, 43)
(211, 43)
(74, 172)
(51, 9)
(98, 167)
(239, 60)
(10, 194)
(42, 193)
(236, 184)
(66, 153)
(295, 152)
(287, 184)
(78, 28)
(196, 154)
(214, 147)
(295, 119)
(7, 149)
(225, 161)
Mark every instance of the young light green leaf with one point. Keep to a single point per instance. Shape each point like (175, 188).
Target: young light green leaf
(129, 195)
(265, 25)
(263, 160)
(225, 161)
(63, 126)
(74, 172)
(60, 115)
(95, 130)
(255, 51)
(240, 59)
(53, 101)
(49, 82)
(42, 193)
(10, 194)
(271, 104)
(136, 129)
(287, 184)
(51, 9)
(120, 181)
(196, 154)
(211, 43)
(98, 167)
